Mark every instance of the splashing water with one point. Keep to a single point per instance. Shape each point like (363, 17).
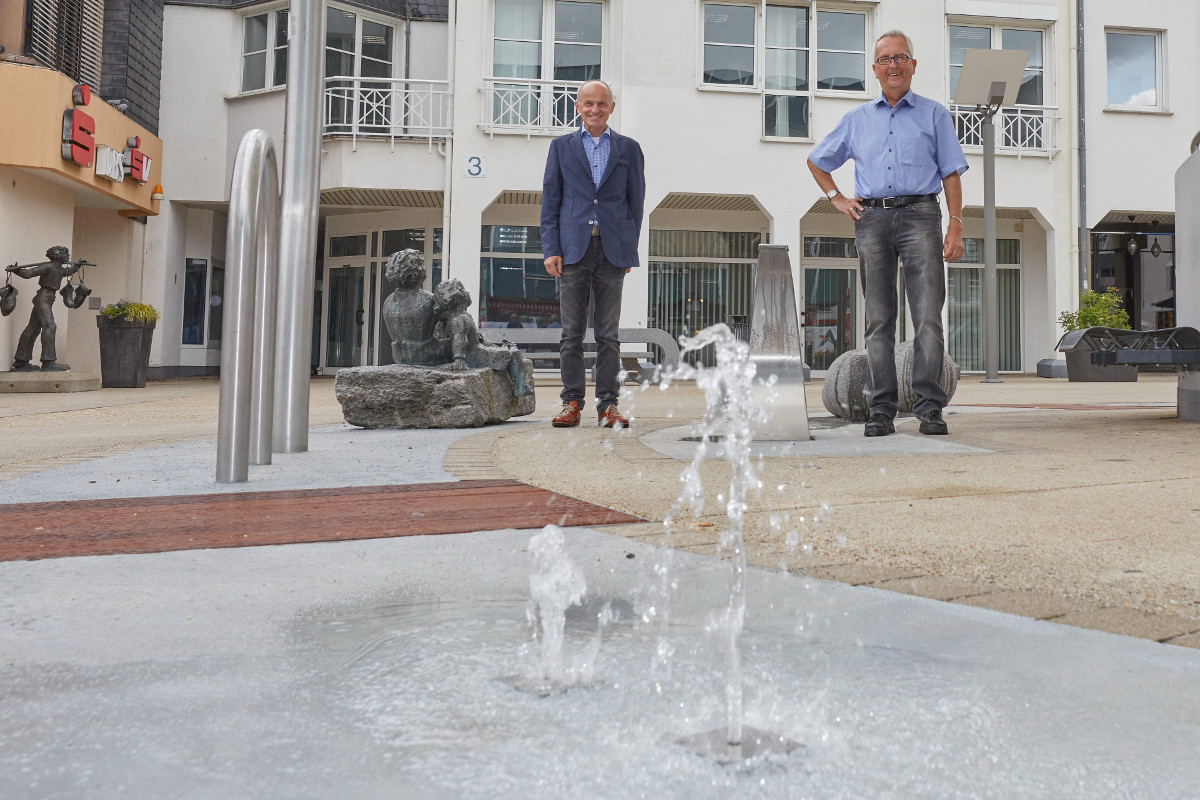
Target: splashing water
(555, 584)
(732, 413)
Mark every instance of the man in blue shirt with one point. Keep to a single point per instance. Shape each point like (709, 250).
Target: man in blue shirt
(905, 151)
(593, 195)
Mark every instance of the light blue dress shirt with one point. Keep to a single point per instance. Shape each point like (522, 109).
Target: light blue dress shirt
(597, 153)
(901, 150)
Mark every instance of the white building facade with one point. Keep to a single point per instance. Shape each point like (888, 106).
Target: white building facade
(437, 121)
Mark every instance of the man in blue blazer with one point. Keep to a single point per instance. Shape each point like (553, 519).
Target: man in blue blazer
(593, 195)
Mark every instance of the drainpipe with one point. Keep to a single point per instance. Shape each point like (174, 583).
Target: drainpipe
(1081, 107)
(448, 151)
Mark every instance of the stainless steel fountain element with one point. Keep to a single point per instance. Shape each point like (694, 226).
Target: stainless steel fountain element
(777, 349)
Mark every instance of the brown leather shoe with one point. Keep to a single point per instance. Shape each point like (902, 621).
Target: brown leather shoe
(611, 418)
(569, 416)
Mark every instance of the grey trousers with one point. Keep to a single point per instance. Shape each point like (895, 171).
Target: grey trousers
(914, 234)
(595, 277)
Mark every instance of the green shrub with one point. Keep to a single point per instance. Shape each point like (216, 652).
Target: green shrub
(130, 311)
(1096, 311)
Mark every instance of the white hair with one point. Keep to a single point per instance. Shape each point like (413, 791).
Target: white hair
(897, 35)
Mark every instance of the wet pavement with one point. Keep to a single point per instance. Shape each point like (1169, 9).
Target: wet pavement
(372, 668)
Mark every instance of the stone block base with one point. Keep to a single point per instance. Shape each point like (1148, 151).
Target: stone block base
(403, 396)
(1052, 368)
(49, 382)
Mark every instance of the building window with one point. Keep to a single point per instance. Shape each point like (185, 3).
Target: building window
(728, 44)
(1135, 78)
(264, 50)
(830, 292)
(542, 51)
(513, 278)
(66, 35)
(1025, 127)
(964, 306)
(202, 291)
(700, 278)
(798, 58)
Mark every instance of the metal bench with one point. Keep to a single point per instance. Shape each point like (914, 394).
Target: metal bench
(638, 363)
(1170, 347)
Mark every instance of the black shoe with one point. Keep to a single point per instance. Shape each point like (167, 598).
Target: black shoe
(932, 424)
(879, 425)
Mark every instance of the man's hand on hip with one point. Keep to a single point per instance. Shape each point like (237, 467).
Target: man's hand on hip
(848, 206)
(554, 265)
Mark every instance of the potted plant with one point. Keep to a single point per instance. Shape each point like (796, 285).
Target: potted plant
(1096, 310)
(126, 330)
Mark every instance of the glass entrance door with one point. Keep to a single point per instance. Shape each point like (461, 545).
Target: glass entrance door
(346, 319)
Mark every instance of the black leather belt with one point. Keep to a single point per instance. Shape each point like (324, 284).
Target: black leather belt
(899, 201)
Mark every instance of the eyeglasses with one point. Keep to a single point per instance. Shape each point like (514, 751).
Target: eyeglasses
(901, 59)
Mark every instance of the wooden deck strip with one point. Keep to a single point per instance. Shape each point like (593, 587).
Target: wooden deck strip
(31, 531)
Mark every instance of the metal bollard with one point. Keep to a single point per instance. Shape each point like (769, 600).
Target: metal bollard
(248, 328)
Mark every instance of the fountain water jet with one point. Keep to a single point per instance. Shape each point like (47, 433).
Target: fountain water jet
(555, 584)
(731, 413)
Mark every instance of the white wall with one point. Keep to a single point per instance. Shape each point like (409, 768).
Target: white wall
(1132, 156)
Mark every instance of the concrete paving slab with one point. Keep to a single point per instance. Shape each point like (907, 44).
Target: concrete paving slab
(934, 587)
(1037, 605)
(1128, 622)
(859, 574)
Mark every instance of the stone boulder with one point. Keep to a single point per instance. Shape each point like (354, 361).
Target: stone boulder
(404, 396)
(844, 392)
(948, 380)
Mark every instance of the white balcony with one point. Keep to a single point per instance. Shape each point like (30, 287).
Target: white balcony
(1020, 131)
(387, 108)
(529, 107)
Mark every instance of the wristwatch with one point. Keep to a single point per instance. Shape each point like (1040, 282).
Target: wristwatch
(832, 193)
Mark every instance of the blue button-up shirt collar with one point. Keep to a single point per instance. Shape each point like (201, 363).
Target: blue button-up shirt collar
(597, 152)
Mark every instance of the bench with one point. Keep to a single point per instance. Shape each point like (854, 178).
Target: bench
(1166, 347)
(658, 349)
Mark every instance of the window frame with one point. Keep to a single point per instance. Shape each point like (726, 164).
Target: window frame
(813, 51)
(997, 28)
(1160, 71)
(548, 43)
(276, 11)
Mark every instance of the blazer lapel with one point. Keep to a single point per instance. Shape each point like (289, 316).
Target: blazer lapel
(614, 152)
(581, 154)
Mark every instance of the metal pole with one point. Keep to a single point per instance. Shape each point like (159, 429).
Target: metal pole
(248, 244)
(300, 210)
(266, 289)
(991, 300)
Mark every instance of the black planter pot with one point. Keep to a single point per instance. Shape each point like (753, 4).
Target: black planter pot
(124, 352)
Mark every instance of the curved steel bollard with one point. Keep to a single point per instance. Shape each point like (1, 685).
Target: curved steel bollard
(248, 329)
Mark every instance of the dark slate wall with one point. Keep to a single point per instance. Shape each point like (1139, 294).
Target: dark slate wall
(132, 70)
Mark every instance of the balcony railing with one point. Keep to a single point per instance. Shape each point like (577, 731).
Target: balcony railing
(1025, 130)
(387, 108)
(529, 107)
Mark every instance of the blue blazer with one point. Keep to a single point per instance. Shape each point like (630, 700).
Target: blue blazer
(571, 203)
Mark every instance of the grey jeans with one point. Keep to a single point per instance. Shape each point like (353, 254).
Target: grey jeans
(914, 234)
(593, 277)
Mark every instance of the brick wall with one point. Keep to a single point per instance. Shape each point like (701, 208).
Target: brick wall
(132, 70)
